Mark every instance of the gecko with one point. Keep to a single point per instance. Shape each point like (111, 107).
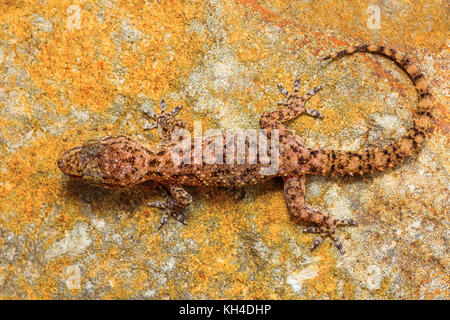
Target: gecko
(121, 161)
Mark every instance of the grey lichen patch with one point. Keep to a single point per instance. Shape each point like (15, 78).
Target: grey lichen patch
(74, 243)
(80, 114)
(297, 279)
(9, 252)
(390, 124)
(216, 83)
(198, 27)
(118, 106)
(338, 203)
(374, 277)
(42, 24)
(219, 73)
(19, 133)
(128, 33)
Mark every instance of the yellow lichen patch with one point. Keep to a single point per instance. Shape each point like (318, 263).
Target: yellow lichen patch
(87, 63)
(166, 54)
(364, 17)
(326, 282)
(24, 176)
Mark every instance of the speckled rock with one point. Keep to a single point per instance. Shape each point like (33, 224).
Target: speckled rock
(71, 73)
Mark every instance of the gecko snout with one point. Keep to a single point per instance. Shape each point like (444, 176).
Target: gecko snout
(60, 164)
(70, 163)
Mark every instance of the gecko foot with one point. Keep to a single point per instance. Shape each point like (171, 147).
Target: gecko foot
(170, 207)
(165, 121)
(168, 213)
(294, 97)
(329, 231)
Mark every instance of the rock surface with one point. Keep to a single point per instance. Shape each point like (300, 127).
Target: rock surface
(73, 73)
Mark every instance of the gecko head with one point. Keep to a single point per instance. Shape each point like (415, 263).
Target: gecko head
(70, 162)
(109, 162)
(81, 163)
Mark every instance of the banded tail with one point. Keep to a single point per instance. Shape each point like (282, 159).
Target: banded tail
(372, 160)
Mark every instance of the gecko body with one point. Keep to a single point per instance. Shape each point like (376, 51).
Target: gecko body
(120, 162)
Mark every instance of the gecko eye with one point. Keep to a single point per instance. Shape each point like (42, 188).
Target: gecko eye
(60, 164)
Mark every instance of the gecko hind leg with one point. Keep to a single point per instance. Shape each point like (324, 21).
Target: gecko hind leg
(293, 106)
(321, 222)
(173, 205)
(165, 121)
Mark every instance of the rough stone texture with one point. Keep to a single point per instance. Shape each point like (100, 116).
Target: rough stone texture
(65, 81)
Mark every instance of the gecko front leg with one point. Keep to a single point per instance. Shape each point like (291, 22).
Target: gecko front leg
(322, 222)
(174, 204)
(165, 121)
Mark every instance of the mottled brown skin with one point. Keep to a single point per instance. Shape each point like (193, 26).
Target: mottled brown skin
(118, 162)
